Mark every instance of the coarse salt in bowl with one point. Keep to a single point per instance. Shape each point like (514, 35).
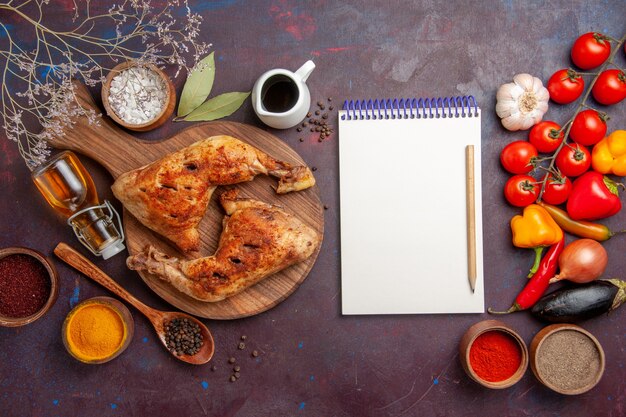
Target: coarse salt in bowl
(138, 97)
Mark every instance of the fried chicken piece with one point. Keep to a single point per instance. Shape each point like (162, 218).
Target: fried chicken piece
(257, 240)
(171, 195)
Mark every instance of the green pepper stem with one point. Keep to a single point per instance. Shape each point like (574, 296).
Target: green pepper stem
(538, 251)
(515, 307)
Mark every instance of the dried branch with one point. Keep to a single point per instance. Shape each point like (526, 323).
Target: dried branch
(36, 89)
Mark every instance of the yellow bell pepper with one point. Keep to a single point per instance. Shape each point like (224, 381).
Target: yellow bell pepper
(535, 229)
(609, 155)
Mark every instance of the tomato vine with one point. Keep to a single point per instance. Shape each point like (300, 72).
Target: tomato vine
(582, 105)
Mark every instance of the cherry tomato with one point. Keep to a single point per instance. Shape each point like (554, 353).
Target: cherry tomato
(517, 157)
(590, 50)
(588, 128)
(573, 160)
(521, 190)
(545, 136)
(557, 191)
(565, 86)
(610, 88)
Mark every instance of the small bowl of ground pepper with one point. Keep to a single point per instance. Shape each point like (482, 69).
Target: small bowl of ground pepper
(493, 354)
(567, 359)
(29, 286)
(97, 330)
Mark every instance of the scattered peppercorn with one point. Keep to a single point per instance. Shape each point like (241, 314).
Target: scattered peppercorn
(325, 207)
(237, 368)
(320, 123)
(237, 375)
(255, 353)
(183, 337)
(232, 378)
(231, 360)
(313, 169)
(213, 368)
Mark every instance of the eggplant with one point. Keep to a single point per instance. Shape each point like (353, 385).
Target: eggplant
(581, 302)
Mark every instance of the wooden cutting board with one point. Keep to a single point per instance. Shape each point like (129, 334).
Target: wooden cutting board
(119, 152)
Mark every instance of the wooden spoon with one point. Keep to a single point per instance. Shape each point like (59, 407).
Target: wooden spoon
(157, 318)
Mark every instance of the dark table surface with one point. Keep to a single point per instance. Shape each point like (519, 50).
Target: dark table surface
(314, 361)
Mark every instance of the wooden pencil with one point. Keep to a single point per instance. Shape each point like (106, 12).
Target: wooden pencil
(471, 215)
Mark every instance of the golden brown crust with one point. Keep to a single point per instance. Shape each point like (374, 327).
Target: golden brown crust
(171, 195)
(258, 240)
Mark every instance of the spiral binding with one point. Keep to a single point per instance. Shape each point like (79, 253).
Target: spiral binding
(410, 108)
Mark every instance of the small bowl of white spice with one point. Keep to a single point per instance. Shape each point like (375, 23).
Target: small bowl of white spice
(139, 97)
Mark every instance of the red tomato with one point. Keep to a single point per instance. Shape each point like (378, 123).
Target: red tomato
(565, 86)
(588, 128)
(521, 190)
(610, 88)
(557, 191)
(590, 50)
(573, 160)
(517, 157)
(545, 136)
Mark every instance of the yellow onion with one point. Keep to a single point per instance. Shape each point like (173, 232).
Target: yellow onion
(583, 260)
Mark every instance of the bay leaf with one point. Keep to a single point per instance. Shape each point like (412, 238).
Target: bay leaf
(218, 107)
(198, 85)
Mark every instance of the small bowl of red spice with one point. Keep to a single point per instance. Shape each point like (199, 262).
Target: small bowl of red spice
(493, 354)
(29, 286)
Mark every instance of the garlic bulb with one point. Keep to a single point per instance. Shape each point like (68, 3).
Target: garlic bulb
(522, 103)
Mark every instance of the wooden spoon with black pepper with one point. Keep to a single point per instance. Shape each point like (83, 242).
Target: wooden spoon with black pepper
(158, 318)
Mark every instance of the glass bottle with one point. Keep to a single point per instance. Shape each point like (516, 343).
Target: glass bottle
(68, 188)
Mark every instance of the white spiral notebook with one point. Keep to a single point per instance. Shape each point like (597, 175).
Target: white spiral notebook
(404, 239)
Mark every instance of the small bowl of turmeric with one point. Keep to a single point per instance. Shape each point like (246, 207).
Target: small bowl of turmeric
(98, 330)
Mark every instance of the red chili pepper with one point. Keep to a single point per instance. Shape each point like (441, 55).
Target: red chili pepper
(593, 197)
(539, 282)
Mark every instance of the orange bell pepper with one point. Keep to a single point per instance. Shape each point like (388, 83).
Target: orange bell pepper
(535, 229)
(609, 155)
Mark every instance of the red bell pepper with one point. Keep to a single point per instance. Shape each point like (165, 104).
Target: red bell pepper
(593, 197)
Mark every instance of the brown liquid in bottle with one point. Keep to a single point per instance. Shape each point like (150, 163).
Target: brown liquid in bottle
(65, 185)
(68, 188)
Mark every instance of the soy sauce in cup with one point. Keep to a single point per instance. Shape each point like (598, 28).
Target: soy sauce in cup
(279, 94)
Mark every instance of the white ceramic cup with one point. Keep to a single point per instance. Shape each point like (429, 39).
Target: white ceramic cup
(281, 98)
